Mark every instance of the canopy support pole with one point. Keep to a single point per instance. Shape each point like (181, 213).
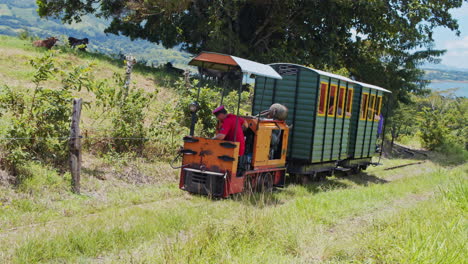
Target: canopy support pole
(238, 106)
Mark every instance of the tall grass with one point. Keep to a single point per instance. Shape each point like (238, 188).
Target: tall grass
(433, 232)
(292, 226)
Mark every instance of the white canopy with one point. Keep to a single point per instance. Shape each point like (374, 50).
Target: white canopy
(223, 62)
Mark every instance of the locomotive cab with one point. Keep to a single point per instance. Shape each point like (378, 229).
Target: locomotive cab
(213, 167)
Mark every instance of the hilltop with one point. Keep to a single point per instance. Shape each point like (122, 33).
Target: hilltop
(18, 15)
(438, 75)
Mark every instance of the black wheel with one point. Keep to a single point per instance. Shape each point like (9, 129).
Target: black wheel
(356, 170)
(265, 182)
(293, 178)
(320, 176)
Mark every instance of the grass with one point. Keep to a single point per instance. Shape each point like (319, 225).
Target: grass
(292, 225)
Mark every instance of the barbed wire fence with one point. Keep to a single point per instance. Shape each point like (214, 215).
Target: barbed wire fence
(74, 140)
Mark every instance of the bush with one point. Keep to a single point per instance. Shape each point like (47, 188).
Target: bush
(208, 99)
(34, 177)
(25, 34)
(40, 123)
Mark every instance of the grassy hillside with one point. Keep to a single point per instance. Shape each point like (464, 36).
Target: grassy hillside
(131, 210)
(18, 15)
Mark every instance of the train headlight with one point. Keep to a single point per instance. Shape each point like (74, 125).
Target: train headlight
(193, 107)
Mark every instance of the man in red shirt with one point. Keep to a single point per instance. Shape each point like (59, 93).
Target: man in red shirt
(227, 128)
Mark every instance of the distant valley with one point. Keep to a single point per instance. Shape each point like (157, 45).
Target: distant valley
(18, 15)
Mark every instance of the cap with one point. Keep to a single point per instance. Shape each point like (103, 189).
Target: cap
(217, 109)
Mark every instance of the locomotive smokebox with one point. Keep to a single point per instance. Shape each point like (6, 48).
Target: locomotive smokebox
(278, 112)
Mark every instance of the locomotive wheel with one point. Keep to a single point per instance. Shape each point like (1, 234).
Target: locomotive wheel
(265, 182)
(293, 178)
(356, 169)
(320, 176)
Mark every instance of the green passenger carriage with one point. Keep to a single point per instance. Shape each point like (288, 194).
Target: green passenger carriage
(334, 119)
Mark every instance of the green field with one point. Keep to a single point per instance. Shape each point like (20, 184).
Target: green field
(131, 210)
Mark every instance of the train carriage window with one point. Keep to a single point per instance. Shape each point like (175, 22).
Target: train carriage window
(378, 108)
(349, 103)
(276, 144)
(371, 108)
(332, 100)
(341, 100)
(364, 104)
(323, 99)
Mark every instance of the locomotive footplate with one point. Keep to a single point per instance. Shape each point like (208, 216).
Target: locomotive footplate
(204, 182)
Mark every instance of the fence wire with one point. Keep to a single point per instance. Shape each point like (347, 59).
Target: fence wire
(68, 138)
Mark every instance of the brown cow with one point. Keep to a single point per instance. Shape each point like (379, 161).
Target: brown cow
(47, 43)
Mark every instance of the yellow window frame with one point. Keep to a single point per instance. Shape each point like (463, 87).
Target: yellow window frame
(334, 100)
(372, 107)
(325, 110)
(342, 88)
(365, 105)
(379, 109)
(350, 97)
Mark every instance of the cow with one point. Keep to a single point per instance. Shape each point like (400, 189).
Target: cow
(77, 42)
(170, 68)
(220, 76)
(48, 43)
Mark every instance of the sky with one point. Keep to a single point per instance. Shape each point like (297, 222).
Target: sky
(457, 47)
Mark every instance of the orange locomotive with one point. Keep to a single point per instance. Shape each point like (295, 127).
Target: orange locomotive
(213, 167)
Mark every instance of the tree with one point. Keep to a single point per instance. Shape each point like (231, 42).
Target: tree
(375, 40)
(443, 120)
(402, 121)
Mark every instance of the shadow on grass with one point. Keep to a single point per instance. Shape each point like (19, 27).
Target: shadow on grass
(96, 173)
(362, 178)
(259, 199)
(451, 157)
(281, 195)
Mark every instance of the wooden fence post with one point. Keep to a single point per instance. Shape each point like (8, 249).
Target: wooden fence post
(131, 61)
(187, 78)
(75, 146)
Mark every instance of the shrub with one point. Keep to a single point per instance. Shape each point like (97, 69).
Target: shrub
(209, 97)
(34, 177)
(40, 124)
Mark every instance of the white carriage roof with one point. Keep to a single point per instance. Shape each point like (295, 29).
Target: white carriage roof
(339, 77)
(223, 62)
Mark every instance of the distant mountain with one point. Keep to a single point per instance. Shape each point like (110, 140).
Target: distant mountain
(17, 15)
(446, 75)
(443, 67)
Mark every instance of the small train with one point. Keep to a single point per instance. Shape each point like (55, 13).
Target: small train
(332, 124)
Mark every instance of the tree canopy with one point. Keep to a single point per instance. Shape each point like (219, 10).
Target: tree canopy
(381, 42)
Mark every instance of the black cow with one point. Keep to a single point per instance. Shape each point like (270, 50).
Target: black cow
(170, 68)
(76, 42)
(220, 76)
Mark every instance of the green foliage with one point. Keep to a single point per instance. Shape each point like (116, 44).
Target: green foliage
(40, 131)
(11, 100)
(401, 122)
(34, 177)
(27, 35)
(209, 97)
(374, 40)
(444, 121)
(439, 120)
(128, 120)
(165, 131)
